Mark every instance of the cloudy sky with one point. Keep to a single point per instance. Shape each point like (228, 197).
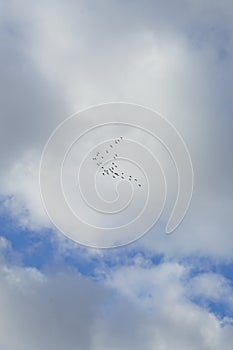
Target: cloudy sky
(163, 291)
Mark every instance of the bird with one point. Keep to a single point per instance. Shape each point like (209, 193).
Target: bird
(112, 169)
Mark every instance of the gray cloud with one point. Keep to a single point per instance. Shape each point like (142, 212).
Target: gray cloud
(56, 59)
(173, 56)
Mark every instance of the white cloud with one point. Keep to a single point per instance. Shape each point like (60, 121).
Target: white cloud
(22, 194)
(134, 307)
(56, 58)
(214, 287)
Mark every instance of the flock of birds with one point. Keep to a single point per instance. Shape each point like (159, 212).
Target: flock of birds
(112, 170)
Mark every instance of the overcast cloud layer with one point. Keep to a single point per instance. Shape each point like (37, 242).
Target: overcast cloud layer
(172, 56)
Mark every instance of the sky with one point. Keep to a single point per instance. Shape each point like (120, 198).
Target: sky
(162, 291)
